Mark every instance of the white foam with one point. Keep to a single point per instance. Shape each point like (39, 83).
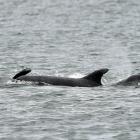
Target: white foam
(76, 75)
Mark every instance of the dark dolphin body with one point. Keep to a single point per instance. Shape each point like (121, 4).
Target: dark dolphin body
(133, 80)
(91, 80)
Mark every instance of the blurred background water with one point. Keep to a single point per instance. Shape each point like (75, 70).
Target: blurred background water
(69, 38)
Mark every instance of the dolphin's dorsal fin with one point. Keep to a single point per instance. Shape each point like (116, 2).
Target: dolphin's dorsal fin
(21, 73)
(96, 75)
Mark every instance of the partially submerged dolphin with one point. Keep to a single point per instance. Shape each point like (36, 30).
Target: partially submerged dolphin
(91, 80)
(133, 80)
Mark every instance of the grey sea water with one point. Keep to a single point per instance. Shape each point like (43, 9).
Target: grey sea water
(69, 38)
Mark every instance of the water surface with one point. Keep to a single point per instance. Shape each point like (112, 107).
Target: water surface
(69, 38)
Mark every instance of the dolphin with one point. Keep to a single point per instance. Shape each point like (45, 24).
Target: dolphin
(91, 80)
(133, 80)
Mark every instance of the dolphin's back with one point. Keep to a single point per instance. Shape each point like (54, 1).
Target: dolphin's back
(58, 81)
(91, 80)
(130, 81)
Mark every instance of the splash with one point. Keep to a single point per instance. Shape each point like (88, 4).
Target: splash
(76, 75)
(117, 58)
